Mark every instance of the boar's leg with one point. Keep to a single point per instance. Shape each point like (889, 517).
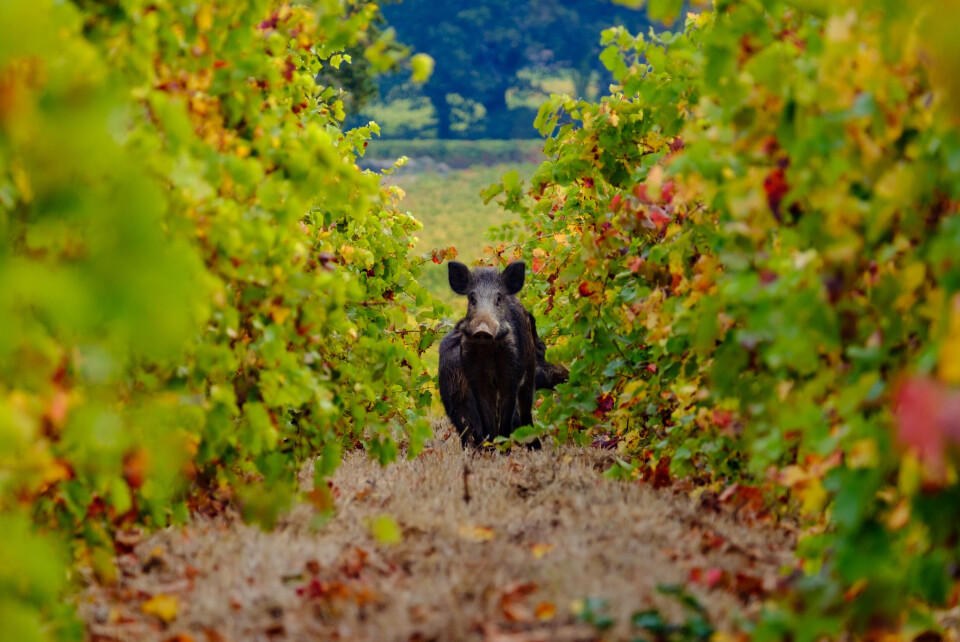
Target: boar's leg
(463, 427)
(484, 420)
(507, 414)
(453, 386)
(525, 404)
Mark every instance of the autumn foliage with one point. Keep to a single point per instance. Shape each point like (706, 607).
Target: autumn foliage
(198, 286)
(747, 253)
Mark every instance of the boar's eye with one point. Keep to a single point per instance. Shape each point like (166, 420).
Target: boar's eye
(472, 299)
(499, 300)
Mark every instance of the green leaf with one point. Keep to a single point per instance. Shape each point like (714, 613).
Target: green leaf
(422, 65)
(384, 529)
(664, 10)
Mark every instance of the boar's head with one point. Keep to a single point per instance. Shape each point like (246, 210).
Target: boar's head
(487, 291)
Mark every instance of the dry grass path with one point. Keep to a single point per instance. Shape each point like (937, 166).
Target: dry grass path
(492, 546)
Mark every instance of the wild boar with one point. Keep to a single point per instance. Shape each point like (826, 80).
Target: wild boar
(488, 363)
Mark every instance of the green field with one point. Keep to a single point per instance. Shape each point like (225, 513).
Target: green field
(460, 154)
(453, 214)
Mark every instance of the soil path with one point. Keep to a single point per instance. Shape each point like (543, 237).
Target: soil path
(491, 546)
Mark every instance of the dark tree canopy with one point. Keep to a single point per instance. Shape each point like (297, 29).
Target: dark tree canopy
(479, 49)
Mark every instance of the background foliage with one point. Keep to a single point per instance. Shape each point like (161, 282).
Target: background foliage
(748, 249)
(198, 286)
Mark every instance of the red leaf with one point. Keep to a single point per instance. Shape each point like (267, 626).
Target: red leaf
(711, 541)
(288, 68)
(658, 217)
(928, 416)
(616, 203)
(776, 187)
(604, 405)
(312, 590)
(661, 476)
(135, 467)
(585, 289)
(710, 577)
(667, 192)
(721, 418)
(640, 191)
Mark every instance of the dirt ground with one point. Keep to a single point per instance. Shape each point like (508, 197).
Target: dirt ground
(530, 545)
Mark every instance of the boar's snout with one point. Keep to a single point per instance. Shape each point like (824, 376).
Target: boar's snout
(488, 330)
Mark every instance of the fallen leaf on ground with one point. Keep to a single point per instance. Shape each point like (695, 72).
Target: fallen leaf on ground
(546, 611)
(164, 607)
(476, 533)
(748, 586)
(707, 577)
(513, 601)
(385, 529)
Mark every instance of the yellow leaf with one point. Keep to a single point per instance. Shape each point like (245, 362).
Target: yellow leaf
(204, 17)
(911, 474)
(899, 516)
(783, 389)
(792, 475)
(279, 314)
(162, 606)
(814, 497)
(346, 252)
(101, 560)
(539, 550)
(911, 278)
(863, 454)
(22, 181)
(949, 366)
(51, 471)
(839, 27)
(476, 533)
(422, 65)
(700, 20)
(545, 611)
(385, 529)
(855, 589)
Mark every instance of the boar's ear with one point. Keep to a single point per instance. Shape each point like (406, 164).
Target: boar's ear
(513, 276)
(459, 276)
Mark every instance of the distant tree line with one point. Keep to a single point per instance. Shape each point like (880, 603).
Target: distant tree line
(495, 61)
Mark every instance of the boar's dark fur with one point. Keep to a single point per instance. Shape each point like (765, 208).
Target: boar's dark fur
(489, 362)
